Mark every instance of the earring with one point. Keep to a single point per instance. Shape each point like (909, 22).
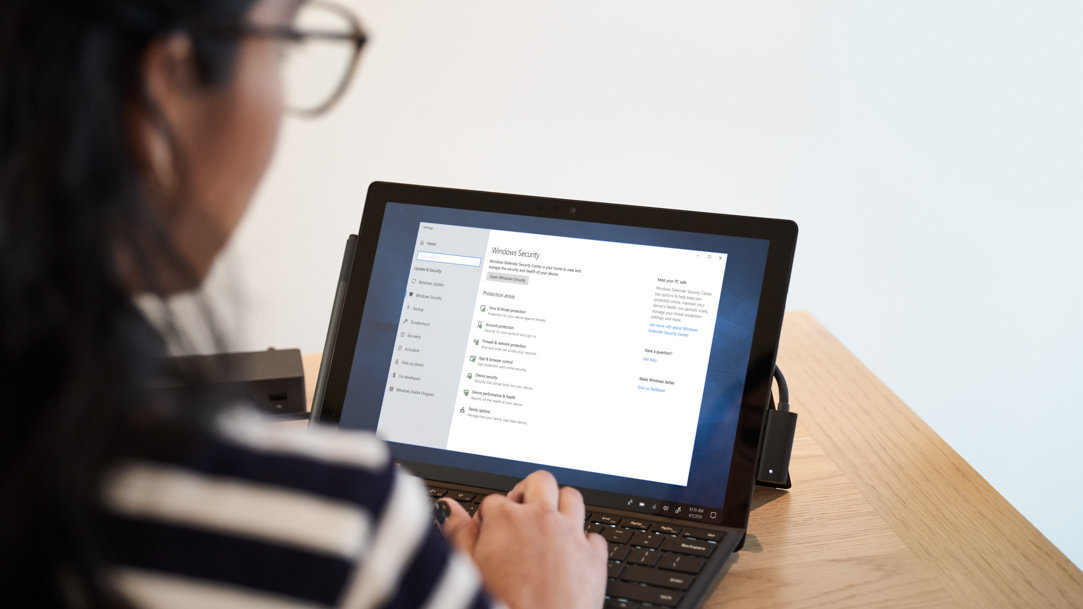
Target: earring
(163, 170)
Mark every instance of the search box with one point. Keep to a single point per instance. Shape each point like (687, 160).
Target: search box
(448, 258)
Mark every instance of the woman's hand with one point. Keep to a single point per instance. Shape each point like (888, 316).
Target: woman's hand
(530, 546)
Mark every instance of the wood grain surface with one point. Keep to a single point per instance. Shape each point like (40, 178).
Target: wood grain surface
(822, 545)
(981, 548)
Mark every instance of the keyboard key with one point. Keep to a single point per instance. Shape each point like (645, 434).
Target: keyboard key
(613, 603)
(616, 535)
(688, 546)
(462, 496)
(596, 528)
(635, 523)
(605, 519)
(704, 534)
(479, 498)
(657, 577)
(681, 562)
(643, 557)
(667, 529)
(436, 492)
(643, 594)
(646, 540)
(615, 569)
(618, 552)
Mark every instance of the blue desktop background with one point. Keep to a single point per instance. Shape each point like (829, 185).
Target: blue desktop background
(723, 387)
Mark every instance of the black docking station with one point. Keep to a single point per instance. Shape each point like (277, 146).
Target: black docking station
(272, 380)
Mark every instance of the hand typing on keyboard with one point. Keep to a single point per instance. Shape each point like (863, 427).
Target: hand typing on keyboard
(530, 547)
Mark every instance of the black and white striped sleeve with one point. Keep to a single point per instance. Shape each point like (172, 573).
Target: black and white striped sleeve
(257, 514)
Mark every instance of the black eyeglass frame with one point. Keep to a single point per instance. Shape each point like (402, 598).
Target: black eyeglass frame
(356, 37)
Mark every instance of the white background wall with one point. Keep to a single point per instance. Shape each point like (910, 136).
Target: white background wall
(931, 152)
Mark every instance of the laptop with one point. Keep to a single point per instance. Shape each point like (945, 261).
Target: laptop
(627, 350)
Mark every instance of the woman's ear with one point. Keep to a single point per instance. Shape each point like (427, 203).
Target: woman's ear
(158, 119)
(169, 94)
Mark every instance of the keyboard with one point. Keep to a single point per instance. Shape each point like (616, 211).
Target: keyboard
(651, 563)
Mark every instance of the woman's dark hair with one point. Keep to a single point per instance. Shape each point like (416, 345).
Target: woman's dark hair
(76, 355)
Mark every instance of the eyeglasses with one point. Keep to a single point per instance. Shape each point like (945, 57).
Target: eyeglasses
(319, 55)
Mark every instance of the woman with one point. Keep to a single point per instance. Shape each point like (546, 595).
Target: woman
(132, 137)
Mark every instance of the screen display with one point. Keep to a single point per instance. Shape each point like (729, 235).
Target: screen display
(614, 356)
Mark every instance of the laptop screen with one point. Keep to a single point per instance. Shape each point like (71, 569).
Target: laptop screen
(613, 355)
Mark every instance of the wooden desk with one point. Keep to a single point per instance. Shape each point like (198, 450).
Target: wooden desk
(883, 512)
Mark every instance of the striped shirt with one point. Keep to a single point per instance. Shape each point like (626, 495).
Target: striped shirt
(260, 514)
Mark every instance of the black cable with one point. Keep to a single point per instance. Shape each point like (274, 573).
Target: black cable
(783, 391)
(776, 441)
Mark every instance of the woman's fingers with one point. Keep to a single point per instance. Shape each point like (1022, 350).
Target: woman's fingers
(531, 550)
(539, 487)
(571, 504)
(458, 527)
(599, 545)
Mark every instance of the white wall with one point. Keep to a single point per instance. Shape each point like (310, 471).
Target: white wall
(932, 153)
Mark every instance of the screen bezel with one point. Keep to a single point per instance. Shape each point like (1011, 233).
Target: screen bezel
(781, 236)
